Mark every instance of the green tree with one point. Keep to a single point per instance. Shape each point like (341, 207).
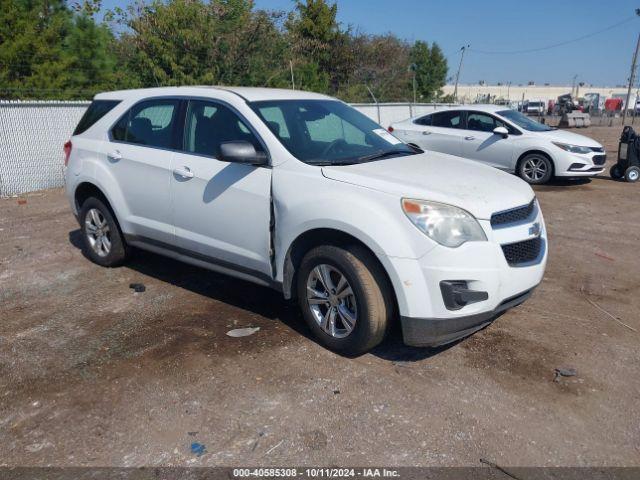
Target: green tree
(47, 51)
(90, 58)
(187, 42)
(32, 60)
(430, 69)
(313, 35)
(381, 64)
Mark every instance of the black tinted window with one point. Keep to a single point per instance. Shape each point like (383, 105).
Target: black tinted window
(209, 124)
(97, 110)
(149, 123)
(452, 119)
(482, 122)
(426, 120)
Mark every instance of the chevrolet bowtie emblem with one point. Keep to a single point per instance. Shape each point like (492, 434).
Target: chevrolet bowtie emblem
(534, 229)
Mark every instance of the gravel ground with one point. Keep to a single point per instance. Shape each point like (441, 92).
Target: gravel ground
(93, 374)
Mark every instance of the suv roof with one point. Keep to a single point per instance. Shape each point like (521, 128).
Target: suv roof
(250, 94)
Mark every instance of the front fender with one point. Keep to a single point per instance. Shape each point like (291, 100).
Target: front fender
(372, 217)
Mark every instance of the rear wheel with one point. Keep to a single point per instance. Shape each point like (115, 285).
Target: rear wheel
(535, 169)
(616, 172)
(632, 174)
(344, 298)
(102, 239)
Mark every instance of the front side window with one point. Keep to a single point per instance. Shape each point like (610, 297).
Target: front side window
(210, 124)
(481, 122)
(328, 132)
(150, 123)
(447, 119)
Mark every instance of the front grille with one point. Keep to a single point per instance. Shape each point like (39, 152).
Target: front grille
(522, 252)
(512, 216)
(599, 159)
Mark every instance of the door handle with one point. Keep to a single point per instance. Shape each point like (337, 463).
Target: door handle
(469, 138)
(184, 172)
(426, 132)
(115, 155)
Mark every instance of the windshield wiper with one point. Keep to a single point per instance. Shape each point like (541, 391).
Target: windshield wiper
(381, 154)
(328, 163)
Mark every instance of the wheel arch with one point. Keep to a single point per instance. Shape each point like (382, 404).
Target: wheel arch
(326, 236)
(540, 152)
(87, 189)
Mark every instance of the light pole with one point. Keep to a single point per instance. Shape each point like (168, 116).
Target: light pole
(632, 76)
(413, 67)
(455, 89)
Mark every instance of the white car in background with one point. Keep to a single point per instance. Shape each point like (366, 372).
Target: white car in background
(505, 139)
(535, 107)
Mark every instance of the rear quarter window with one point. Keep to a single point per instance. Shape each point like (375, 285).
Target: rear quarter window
(426, 120)
(97, 110)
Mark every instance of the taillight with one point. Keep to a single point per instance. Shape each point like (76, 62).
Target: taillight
(390, 128)
(67, 152)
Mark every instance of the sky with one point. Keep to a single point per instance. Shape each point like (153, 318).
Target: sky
(505, 25)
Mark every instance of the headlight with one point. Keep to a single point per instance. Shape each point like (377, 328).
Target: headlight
(572, 148)
(448, 225)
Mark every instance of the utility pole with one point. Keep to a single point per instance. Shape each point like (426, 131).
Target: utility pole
(632, 75)
(455, 89)
(293, 82)
(413, 67)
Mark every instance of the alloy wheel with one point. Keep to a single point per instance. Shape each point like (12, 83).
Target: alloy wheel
(535, 168)
(332, 301)
(98, 232)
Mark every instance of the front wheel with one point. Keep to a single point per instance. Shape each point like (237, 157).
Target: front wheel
(632, 174)
(535, 169)
(344, 298)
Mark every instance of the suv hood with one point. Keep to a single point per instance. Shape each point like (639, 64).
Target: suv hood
(476, 188)
(569, 137)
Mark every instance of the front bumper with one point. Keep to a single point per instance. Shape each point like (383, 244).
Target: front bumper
(579, 165)
(432, 332)
(480, 267)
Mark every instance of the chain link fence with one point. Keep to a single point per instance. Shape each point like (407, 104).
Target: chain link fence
(32, 134)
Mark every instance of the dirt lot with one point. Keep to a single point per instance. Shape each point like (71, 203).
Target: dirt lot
(94, 374)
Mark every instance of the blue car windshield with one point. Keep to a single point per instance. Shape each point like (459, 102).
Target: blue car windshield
(523, 121)
(328, 132)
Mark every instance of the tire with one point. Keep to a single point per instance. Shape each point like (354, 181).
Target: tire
(370, 306)
(616, 172)
(535, 169)
(632, 174)
(102, 239)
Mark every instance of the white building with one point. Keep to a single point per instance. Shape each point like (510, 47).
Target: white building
(470, 93)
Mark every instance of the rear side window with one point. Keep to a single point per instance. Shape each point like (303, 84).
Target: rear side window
(151, 123)
(97, 110)
(450, 119)
(426, 120)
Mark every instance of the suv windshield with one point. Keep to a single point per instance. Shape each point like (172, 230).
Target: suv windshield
(328, 132)
(523, 121)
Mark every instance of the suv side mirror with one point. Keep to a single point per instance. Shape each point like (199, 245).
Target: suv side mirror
(501, 131)
(241, 152)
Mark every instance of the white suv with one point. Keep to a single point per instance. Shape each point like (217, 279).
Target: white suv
(506, 139)
(302, 193)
